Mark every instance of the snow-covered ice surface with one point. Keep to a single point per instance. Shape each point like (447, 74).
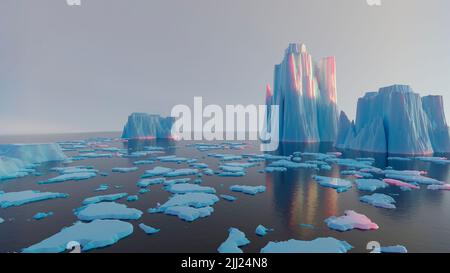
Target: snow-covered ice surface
(319, 245)
(350, 220)
(96, 234)
(235, 240)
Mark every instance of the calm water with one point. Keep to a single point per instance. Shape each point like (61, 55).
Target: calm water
(421, 221)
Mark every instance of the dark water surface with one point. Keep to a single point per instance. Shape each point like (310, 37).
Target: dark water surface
(421, 221)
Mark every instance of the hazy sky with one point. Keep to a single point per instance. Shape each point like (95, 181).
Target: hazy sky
(72, 69)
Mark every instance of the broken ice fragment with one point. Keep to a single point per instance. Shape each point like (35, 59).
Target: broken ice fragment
(232, 169)
(231, 174)
(379, 200)
(393, 249)
(192, 199)
(400, 184)
(341, 185)
(156, 171)
(411, 177)
(274, 169)
(96, 234)
(142, 191)
(143, 162)
(262, 230)
(176, 181)
(252, 190)
(185, 188)
(42, 215)
(143, 183)
(292, 165)
(102, 187)
(101, 198)
(350, 220)
(319, 245)
(68, 177)
(228, 197)
(189, 213)
(236, 239)
(310, 226)
(124, 170)
(181, 172)
(10, 199)
(148, 229)
(132, 198)
(107, 210)
(208, 171)
(370, 184)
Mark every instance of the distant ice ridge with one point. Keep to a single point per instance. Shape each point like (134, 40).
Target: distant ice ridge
(142, 125)
(396, 120)
(306, 95)
(17, 159)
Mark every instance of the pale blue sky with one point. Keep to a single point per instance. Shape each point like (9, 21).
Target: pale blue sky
(72, 69)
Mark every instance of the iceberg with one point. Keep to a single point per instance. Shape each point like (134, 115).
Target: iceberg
(370, 184)
(339, 184)
(107, 210)
(379, 200)
(380, 115)
(306, 95)
(102, 198)
(262, 230)
(236, 239)
(15, 199)
(42, 215)
(319, 245)
(350, 220)
(142, 125)
(251, 190)
(185, 188)
(148, 229)
(96, 234)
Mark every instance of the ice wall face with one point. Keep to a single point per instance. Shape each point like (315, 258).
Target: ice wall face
(142, 125)
(396, 120)
(306, 96)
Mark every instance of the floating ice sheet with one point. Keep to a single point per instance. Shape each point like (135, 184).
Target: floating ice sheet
(319, 245)
(231, 174)
(401, 184)
(292, 165)
(96, 234)
(379, 200)
(274, 169)
(15, 199)
(181, 172)
(185, 188)
(252, 190)
(143, 183)
(42, 215)
(132, 198)
(445, 187)
(156, 171)
(189, 213)
(107, 210)
(236, 239)
(350, 220)
(228, 197)
(69, 177)
(370, 184)
(101, 198)
(191, 199)
(411, 177)
(341, 185)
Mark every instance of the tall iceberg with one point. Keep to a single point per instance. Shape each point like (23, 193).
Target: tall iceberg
(306, 95)
(396, 120)
(143, 125)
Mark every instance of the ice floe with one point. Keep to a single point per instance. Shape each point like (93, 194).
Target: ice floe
(319, 245)
(124, 170)
(350, 220)
(262, 230)
(96, 234)
(228, 197)
(437, 160)
(143, 183)
(143, 162)
(102, 198)
(379, 200)
(189, 213)
(42, 215)
(231, 174)
(370, 184)
(252, 190)
(339, 184)
(14, 199)
(156, 171)
(176, 181)
(445, 187)
(69, 177)
(148, 229)
(292, 165)
(107, 210)
(235, 240)
(185, 188)
(400, 184)
(274, 169)
(411, 176)
(191, 199)
(181, 172)
(102, 187)
(132, 198)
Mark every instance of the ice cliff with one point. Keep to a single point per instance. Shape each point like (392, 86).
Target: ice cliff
(306, 95)
(142, 125)
(396, 120)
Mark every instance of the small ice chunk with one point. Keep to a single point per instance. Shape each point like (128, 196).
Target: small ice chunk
(232, 169)
(124, 170)
(319, 245)
(228, 197)
(411, 177)
(107, 210)
(96, 234)
(244, 165)
(310, 226)
(370, 184)
(396, 158)
(156, 171)
(144, 183)
(68, 177)
(350, 220)
(102, 198)
(148, 229)
(1, 220)
(15, 199)
(400, 184)
(199, 165)
(42, 215)
(292, 165)
(262, 230)
(252, 190)
(379, 200)
(341, 185)
(236, 239)
(185, 188)
(357, 174)
(232, 174)
(181, 172)
(97, 155)
(274, 169)
(189, 213)
(102, 187)
(143, 191)
(191, 199)
(208, 171)
(143, 162)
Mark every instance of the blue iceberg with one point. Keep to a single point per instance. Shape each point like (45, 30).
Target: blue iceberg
(14, 199)
(107, 210)
(96, 234)
(236, 239)
(142, 125)
(319, 245)
(252, 190)
(379, 200)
